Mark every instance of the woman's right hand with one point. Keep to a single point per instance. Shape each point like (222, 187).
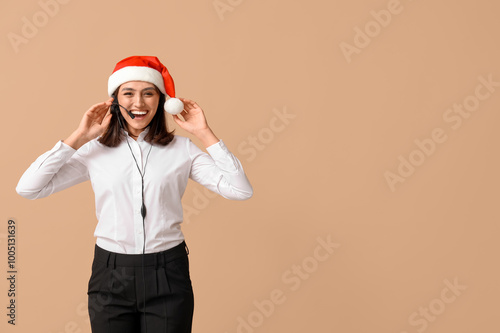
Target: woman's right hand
(94, 122)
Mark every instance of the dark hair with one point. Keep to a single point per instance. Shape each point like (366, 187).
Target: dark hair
(158, 131)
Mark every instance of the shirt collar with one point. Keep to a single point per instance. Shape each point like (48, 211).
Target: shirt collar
(142, 135)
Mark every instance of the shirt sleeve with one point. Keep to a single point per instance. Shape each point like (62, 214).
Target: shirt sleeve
(220, 172)
(51, 172)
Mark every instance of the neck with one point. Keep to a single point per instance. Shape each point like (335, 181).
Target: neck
(133, 133)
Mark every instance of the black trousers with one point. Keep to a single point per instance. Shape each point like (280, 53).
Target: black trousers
(123, 300)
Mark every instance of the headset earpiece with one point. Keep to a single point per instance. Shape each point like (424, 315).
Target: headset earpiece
(114, 105)
(115, 108)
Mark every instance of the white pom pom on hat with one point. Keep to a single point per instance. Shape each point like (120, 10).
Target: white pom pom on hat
(148, 69)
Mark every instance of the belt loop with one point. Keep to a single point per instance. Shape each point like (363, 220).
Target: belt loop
(156, 261)
(107, 259)
(114, 260)
(186, 247)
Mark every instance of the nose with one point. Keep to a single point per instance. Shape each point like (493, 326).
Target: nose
(138, 100)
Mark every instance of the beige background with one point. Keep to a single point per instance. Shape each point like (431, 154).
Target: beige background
(319, 174)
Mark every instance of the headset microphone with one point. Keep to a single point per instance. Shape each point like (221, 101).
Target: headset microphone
(129, 113)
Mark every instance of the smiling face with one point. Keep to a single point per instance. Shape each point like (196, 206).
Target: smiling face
(140, 98)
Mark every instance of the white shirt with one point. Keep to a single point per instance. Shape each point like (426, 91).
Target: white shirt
(118, 187)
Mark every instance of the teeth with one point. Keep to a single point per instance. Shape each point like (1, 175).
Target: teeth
(139, 112)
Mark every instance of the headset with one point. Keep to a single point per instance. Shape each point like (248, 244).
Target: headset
(115, 108)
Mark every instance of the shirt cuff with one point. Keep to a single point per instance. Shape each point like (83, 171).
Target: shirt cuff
(62, 150)
(218, 149)
(224, 158)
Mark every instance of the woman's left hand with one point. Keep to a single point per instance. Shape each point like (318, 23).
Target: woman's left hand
(194, 117)
(195, 122)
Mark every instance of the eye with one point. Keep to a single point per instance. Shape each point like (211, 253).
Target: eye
(128, 94)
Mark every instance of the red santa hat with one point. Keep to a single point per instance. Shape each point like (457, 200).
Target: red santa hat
(148, 69)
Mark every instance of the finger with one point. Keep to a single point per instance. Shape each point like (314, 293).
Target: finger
(189, 108)
(101, 106)
(185, 100)
(98, 105)
(105, 112)
(177, 120)
(193, 104)
(100, 112)
(106, 120)
(188, 102)
(96, 111)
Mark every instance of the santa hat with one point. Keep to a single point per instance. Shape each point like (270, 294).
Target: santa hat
(148, 69)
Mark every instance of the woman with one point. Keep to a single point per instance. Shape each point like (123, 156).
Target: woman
(140, 278)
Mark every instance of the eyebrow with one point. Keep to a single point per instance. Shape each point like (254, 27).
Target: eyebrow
(132, 89)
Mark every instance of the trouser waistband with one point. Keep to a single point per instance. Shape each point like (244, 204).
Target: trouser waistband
(157, 259)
